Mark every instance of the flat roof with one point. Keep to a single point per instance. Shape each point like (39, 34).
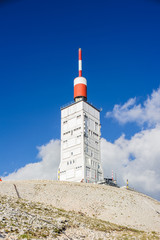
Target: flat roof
(70, 104)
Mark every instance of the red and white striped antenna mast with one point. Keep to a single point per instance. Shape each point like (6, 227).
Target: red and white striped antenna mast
(80, 83)
(80, 62)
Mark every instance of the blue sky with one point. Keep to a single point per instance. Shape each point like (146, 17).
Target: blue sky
(39, 43)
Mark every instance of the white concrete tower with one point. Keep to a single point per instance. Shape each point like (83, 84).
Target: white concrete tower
(80, 137)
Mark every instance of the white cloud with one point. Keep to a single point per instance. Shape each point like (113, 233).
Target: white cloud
(44, 169)
(137, 160)
(148, 112)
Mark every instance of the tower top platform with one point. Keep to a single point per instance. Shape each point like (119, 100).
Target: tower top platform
(73, 103)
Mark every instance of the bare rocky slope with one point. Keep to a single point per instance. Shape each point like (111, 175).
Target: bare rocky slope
(62, 210)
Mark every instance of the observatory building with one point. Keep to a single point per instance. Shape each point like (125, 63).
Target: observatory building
(80, 137)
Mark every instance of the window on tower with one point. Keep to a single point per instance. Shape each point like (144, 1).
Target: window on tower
(77, 128)
(96, 126)
(66, 133)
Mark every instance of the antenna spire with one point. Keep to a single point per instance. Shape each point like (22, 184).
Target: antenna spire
(80, 62)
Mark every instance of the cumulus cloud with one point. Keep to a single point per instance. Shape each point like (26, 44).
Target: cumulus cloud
(148, 112)
(46, 168)
(137, 160)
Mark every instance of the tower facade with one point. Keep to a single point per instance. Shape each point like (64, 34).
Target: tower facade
(80, 137)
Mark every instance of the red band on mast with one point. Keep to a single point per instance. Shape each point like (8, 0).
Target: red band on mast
(80, 62)
(80, 54)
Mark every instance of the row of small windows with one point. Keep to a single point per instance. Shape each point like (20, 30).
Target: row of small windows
(77, 128)
(70, 162)
(72, 131)
(78, 167)
(66, 133)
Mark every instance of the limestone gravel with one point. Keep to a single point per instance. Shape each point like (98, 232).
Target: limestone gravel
(50, 209)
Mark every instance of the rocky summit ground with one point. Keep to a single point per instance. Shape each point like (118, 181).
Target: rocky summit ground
(43, 209)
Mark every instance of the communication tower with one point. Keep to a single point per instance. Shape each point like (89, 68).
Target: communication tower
(80, 137)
